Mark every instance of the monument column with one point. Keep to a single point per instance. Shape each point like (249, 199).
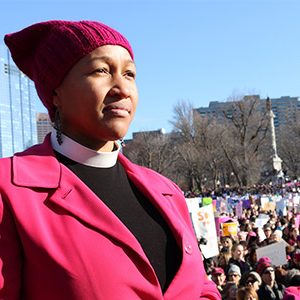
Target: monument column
(276, 160)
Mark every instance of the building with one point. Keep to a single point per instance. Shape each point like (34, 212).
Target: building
(285, 108)
(17, 113)
(44, 126)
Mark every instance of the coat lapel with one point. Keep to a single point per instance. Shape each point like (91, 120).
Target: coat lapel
(75, 198)
(68, 193)
(160, 194)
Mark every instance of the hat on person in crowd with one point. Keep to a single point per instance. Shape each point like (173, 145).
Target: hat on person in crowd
(252, 233)
(267, 226)
(264, 259)
(292, 293)
(217, 271)
(234, 269)
(263, 264)
(46, 51)
(255, 275)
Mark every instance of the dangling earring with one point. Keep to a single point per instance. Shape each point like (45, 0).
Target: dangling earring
(58, 127)
(122, 142)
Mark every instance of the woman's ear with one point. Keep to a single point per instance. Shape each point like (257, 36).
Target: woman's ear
(56, 100)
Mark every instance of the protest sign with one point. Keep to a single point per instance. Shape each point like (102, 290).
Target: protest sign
(281, 207)
(192, 203)
(261, 220)
(239, 209)
(230, 229)
(206, 201)
(276, 252)
(207, 230)
(297, 221)
(267, 204)
(246, 203)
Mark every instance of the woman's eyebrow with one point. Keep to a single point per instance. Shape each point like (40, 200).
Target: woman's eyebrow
(109, 59)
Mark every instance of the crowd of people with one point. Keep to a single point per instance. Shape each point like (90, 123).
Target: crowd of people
(237, 271)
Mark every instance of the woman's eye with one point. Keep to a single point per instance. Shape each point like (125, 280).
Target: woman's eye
(130, 74)
(101, 70)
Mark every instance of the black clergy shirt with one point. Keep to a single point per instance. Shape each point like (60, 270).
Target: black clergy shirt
(136, 212)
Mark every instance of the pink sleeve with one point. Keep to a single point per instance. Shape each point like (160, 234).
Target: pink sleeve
(10, 255)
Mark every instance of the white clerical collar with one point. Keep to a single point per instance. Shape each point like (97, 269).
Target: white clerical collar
(82, 154)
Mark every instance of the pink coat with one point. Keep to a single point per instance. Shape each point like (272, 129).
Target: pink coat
(58, 241)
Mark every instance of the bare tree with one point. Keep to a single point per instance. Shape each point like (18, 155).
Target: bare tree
(246, 136)
(200, 156)
(153, 150)
(288, 141)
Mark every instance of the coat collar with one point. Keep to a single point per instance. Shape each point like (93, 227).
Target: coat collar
(38, 168)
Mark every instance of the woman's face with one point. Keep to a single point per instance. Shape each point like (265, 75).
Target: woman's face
(98, 98)
(252, 282)
(238, 253)
(268, 276)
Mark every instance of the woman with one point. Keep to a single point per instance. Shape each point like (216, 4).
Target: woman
(78, 220)
(238, 258)
(253, 280)
(246, 293)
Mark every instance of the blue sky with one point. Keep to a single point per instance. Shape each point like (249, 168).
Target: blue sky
(199, 51)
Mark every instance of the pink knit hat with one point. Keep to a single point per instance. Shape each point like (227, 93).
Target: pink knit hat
(46, 51)
(262, 264)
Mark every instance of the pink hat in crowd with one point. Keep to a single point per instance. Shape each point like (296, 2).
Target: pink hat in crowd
(292, 293)
(217, 271)
(46, 51)
(262, 264)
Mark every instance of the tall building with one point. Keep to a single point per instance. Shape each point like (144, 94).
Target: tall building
(17, 113)
(285, 108)
(44, 126)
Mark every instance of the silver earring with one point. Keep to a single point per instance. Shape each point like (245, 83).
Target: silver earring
(122, 142)
(58, 127)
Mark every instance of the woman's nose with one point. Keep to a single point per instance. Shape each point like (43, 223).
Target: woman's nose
(120, 88)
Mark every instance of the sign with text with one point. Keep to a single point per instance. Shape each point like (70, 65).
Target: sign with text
(206, 228)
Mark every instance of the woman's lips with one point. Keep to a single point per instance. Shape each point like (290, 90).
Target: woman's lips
(117, 110)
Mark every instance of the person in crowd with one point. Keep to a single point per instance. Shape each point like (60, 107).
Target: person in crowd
(298, 243)
(276, 236)
(253, 280)
(78, 220)
(292, 235)
(252, 239)
(269, 289)
(282, 223)
(268, 233)
(246, 293)
(234, 274)
(223, 258)
(292, 277)
(230, 291)
(292, 293)
(295, 258)
(227, 243)
(219, 278)
(251, 257)
(238, 258)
